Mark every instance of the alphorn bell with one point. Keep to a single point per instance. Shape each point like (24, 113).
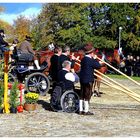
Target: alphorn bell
(118, 84)
(116, 87)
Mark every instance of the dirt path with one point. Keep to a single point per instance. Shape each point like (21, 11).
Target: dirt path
(116, 115)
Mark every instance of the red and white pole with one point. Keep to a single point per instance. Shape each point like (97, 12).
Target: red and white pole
(21, 89)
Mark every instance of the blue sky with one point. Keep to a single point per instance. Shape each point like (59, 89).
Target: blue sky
(13, 10)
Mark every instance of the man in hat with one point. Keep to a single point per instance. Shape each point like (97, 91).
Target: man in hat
(27, 52)
(88, 64)
(3, 43)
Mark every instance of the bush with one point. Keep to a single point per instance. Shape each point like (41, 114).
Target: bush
(1, 94)
(14, 95)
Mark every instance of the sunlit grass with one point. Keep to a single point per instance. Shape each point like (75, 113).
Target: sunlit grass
(123, 77)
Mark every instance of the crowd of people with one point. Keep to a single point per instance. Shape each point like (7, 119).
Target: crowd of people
(130, 65)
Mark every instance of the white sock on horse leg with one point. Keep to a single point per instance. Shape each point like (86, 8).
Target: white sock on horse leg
(81, 105)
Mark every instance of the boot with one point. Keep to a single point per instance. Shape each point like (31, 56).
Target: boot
(37, 64)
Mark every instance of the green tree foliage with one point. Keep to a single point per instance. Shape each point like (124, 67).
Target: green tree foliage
(7, 27)
(75, 24)
(1, 93)
(22, 27)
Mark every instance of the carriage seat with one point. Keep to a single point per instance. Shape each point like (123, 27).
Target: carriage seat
(21, 59)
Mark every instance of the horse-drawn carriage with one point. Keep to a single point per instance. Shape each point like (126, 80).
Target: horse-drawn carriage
(34, 79)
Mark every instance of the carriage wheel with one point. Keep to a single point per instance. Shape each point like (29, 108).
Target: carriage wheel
(37, 82)
(11, 78)
(70, 101)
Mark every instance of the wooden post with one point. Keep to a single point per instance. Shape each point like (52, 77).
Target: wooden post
(6, 59)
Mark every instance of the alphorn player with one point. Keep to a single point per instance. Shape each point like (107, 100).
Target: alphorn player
(88, 64)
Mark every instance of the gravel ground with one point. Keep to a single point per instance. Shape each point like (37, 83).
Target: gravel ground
(116, 115)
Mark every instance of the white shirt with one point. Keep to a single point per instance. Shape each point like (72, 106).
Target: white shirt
(70, 76)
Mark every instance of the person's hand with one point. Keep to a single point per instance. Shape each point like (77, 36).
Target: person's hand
(102, 63)
(77, 58)
(10, 44)
(95, 56)
(11, 48)
(73, 57)
(72, 70)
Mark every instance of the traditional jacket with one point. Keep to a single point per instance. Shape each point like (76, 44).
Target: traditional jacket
(68, 82)
(87, 69)
(2, 42)
(55, 67)
(25, 47)
(63, 58)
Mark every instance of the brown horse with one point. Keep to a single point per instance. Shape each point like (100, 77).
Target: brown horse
(111, 57)
(45, 56)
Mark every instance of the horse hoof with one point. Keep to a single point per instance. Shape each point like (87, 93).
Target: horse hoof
(101, 93)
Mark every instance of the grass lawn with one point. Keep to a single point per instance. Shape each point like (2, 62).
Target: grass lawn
(122, 77)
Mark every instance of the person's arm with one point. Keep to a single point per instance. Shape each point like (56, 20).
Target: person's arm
(31, 50)
(96, 64)
(73, 77)
(69, 76)
(2, 42)
(76, 77)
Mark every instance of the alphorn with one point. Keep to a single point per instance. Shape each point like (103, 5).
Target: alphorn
(119, 71)
(118, 84)
(132, 96)
(116, 87)
(115, 70)
(136, 98)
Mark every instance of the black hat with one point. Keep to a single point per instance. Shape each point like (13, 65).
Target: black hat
(28, 38)
(89, 48)
(1, 31)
